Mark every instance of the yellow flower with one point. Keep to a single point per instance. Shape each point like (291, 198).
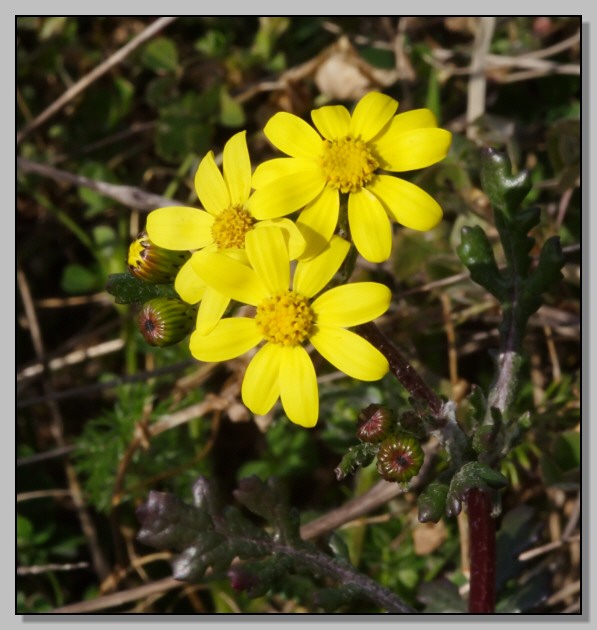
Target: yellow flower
(346, 157)
(287, 316)
(223, 225)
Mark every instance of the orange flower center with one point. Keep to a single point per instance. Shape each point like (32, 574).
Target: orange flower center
(347, 164)
(285, 319)
(230, 227)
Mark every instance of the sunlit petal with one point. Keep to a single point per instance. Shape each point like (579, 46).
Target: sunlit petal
(369, 226)
(371, 114)
(179, 228)
(293, 136)
(298, 386)
(210, 186)
(415, 149)
(270, 170)
(351, 304)
(230, 277)
(350, 353)
(229, 338)
(286, 194)
(268, 254)
(318, 221)
(261, 383)
(310, 276)
(293, 236)
(212, 308)
(332, 121)
(237, 168)
(189, 286)
(406, 203)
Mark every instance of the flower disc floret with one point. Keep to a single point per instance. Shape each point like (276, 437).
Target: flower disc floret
(230, 227)
(347, 164)
(285, 319)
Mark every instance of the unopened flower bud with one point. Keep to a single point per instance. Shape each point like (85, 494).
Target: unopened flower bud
(154, 264)
(399, 458)
(375, 423)
(164, 321)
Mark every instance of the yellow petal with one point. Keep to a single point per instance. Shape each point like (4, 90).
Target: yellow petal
(230, 277)
(371, 114)
(270, 170)
(286, 194)
(293, 136)
(261, 382)
(332, 121)
(293, 236)
(418, 148)
(237, 168)
(188, 284)
(350, 353)
(318, 221)
(298, 386)
(229, 338)
(210, 186)
(413, 119)
(180, 228)
(212, 308)
(268, 254)
(406, 203)
(310, 276)
(351, 304)
(370, 227)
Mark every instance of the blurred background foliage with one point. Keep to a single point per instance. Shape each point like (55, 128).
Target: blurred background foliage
(102, 418)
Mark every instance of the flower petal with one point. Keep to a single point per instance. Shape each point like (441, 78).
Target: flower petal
(298, 386)
(229, 338)
(415, 149)
(188, 284)
(212, 308)
(211, 187)
(237, 168)
(286, 194)
(270, 170)
(332, 121)
(293, 136)
(369, 226)
(229, 276)
(351, 304)
(310, 276)
(318, 221)
(406, 203)
(293, 236)
(371, 114)
(179, 228)
(268, 254)
(261, 383)
(414, 119)
(350, 353)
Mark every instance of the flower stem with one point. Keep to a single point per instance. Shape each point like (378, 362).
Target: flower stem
(401, 368)
(482, 552)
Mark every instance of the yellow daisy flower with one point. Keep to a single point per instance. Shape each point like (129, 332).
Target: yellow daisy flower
(223, 225)
(287, 316)
(346, 155)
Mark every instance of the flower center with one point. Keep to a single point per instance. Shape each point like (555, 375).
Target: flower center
(230, 227)
(285, 319)
(347, 164)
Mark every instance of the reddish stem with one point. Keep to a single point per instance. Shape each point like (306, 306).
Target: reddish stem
(482, 552)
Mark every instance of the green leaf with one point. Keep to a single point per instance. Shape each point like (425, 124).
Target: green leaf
(160, 55)
(358, 456)
(78, 279)
(505, 191)
(432, 502)
(231, 111)
(127, 289)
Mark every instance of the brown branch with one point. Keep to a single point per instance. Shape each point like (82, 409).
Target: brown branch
(127, 195)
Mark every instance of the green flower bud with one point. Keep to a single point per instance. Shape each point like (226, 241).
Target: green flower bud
(399, 458)
(155, 265)
(375, 423)
(165, 321)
